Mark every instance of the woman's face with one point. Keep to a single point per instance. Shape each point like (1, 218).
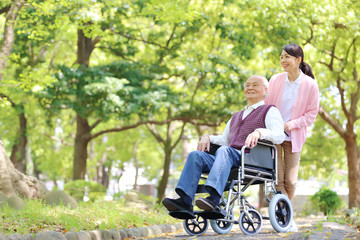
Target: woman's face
(289, 63)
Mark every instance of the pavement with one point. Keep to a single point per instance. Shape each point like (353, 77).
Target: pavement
(309, 228)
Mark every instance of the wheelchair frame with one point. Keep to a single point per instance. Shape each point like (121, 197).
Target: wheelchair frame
(256, 168)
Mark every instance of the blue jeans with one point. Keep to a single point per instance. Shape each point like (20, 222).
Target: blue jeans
(219, 166)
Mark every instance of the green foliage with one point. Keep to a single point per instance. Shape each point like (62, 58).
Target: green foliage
(175, 11)
(80, 188)
(326, 200)
(323, 153)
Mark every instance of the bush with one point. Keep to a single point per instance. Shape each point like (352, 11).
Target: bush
(326, 201)
(60, 198)
(79, 188)
(14, 202)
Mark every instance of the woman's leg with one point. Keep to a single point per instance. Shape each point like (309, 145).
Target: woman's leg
(280, 168)
(291, 168)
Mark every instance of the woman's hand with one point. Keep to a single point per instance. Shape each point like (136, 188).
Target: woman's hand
(287, 126)
(204, 144)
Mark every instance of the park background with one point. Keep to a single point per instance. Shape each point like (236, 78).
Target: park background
(89, 88)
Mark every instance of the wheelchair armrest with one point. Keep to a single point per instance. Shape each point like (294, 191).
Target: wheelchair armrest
(213, 148)
(266, 142)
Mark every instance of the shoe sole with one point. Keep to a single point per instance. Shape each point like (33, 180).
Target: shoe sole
(182, 214)
(212, 214)
(204, 205)
(171, 206)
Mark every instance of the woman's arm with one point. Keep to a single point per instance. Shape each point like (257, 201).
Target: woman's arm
(311, 110)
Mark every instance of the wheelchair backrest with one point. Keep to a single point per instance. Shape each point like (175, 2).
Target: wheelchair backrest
(260, 156)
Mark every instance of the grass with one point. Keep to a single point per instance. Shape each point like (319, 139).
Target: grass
(37, 217)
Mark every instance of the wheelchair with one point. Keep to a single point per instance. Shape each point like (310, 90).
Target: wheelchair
(258, 166)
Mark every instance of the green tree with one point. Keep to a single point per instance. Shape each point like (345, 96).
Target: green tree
(13, 182)
(336, 39)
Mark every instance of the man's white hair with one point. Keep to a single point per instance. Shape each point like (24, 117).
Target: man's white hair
(265, 82)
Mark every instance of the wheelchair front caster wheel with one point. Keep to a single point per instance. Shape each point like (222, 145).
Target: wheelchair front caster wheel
(251, 223)
(223, 227)
(280, 213)
(197, 226)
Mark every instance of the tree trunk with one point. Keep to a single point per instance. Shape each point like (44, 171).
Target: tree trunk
(83, 130)
(353, 158)
(262, 201)
(13, 182)
(18, 154)
(105, 177)
(8, 35)
(185, 148)
(82, 139)
(165, 177)
(136, 165)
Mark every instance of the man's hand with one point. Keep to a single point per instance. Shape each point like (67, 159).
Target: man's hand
(252, 139)
(287, 126)
(204, 144)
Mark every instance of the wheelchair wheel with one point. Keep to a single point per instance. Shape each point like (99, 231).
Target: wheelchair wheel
(222, 227)
(248, 227)
(280, 213)
(197, 226)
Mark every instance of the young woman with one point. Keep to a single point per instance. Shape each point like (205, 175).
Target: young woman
(296, 94)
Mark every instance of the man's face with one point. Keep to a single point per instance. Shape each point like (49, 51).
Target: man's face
(255, 89)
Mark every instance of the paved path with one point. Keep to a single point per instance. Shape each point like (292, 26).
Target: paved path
(311, 228)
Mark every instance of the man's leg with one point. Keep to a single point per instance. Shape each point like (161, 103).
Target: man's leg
(196, 163)
(225, 158)
(291, 168)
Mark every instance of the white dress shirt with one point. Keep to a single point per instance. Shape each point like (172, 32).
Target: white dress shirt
(290, 92)
(273, 132)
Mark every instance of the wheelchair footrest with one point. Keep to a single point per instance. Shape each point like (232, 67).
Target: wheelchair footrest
(182, 214)
(213, 214)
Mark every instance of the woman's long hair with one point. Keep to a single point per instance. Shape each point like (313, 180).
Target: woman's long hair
(296, 51)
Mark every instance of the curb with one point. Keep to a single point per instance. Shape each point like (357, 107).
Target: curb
(114, 234)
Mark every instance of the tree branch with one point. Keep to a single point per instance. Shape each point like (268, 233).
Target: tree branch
(142, 40)
(311, 36)
(342, 97)
(8, 99)
(178, 140)
(354, 97)
(345, 61)
(171, 36)
(330, 120)
(95, 124)
(5, 9)
(155, 134)
(139, 123)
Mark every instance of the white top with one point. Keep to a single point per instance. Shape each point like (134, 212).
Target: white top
(288, 99)
(273, 132)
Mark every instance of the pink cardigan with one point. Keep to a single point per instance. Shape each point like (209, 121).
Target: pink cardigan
(306, 106)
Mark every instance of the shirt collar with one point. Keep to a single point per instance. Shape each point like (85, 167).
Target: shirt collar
(297, 81)
(254, 106)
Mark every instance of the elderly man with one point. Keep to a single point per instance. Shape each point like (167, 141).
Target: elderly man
(246, 127)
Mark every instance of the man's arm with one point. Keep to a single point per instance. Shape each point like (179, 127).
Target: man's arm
(274, 130)
(222, 139)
